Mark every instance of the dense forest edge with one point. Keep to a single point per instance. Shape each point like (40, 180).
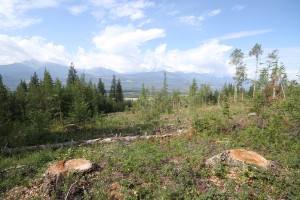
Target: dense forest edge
(265, 118)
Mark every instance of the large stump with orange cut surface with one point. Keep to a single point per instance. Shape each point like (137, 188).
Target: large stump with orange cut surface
(239, 157)
(54, 175)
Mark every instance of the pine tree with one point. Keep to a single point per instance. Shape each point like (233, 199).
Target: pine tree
(4, 103)
(205, 93)
(143, 99)
(72, 75)
(119, 92)
(34, 94)
(61, 100)
(165, 86)
(101, 88)
(193, 93)
(101, 98)
(81, 109)
(47, 91)
(21, 99)
(113, 88)
(225, 108)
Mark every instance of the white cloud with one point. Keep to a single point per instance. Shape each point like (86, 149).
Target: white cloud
(119, 9)
(238, 7)
(78, 9)
(244, 34)
(13, 12)
(209, 57)
(132, 9)
(198, 20)
(125, 39)
(118, 48)
(191, 20)
(212, 13)
(17, 49)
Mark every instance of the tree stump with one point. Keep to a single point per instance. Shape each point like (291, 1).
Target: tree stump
(239, 157)
(54, 175)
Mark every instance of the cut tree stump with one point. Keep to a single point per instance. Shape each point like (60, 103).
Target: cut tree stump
(239, 157)
(54, 176)
(79, 165)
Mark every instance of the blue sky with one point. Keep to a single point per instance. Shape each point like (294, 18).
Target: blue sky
(148, 35)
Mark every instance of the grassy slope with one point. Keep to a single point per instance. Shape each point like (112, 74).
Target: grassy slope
(170, 168)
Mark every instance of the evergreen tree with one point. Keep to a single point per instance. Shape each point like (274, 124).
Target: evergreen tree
(4, 103)
(72, 75)
(60, 100)
(101, 88)
(205, 93)
(81, 109)
(47, 91)
(21, 99)
(225, 108)
(119, 92)
(176, 99)
(193, 93)
(165, 86)
(113, 88)
(34, 94)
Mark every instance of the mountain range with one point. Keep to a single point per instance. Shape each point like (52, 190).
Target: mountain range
(131, 82)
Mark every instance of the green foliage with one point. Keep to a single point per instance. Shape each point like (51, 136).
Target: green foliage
(119, 93)
(4, 103)
(72, 75)
(225, 107)
(80, 112)
(113, 88)
(193, 94)
(101, 88)
(210, 123)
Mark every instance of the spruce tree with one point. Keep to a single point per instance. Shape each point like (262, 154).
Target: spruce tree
(34, 94)
(101, 88)
(4, 102)
(47, 91)
(113, 88)
(21, 99)
(72, 75)
(193, 93)
(119, 92)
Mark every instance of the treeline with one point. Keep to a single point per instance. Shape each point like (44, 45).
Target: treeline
(33, 109)
(269, 86)
(43, 101)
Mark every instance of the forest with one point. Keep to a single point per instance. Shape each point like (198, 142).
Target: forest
(261, 114)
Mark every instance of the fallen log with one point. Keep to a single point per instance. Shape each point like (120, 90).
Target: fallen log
(85, 142)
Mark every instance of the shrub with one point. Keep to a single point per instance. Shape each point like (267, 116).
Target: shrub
(212, 123)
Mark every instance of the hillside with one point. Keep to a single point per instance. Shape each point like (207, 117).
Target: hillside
(132, 83)
(167, 168)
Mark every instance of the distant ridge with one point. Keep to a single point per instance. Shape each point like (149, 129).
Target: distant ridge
(13, 73)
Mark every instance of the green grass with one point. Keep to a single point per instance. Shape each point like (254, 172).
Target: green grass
(170, 168)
